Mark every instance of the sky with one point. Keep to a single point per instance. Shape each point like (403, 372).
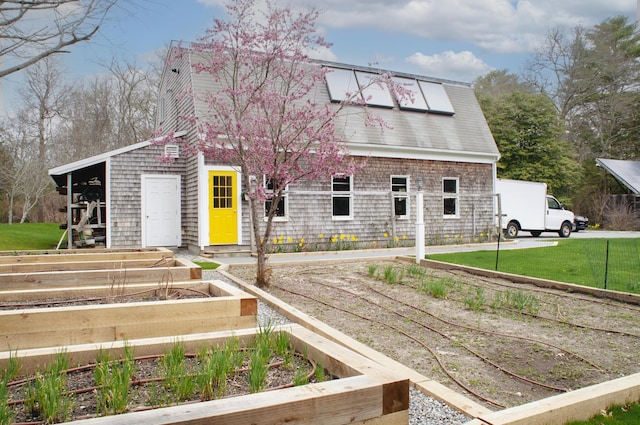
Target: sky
(453, 39)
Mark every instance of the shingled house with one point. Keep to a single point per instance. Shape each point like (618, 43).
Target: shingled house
(440, 143)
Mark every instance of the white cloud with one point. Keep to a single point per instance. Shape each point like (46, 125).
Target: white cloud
(494, 25)
(462, 66)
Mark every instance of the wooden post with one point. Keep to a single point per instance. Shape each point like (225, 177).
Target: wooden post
(419, 226)
(69, 211)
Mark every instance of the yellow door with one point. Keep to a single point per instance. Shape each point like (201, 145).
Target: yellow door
(223, 208)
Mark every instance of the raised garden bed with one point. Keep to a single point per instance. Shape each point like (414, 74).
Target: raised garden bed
(153, 312)
(359, 391)
(86, 272)
(63, 255)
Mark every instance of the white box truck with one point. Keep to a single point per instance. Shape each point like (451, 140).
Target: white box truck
(525, 206)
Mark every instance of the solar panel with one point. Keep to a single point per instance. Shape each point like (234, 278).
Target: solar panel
(416, 102)
(436, 97)
(342, 85)
(375, 93)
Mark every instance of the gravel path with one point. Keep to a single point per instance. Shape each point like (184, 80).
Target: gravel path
(423, 410)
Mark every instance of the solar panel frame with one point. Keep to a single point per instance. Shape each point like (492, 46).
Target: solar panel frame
(436, 97)
(410, 84)
(375, 93)
(342, 85)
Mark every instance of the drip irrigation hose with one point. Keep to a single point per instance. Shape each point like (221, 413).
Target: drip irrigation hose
(139, 382)
(449, 374)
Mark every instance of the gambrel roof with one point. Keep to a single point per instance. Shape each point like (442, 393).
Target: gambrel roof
(460, 134)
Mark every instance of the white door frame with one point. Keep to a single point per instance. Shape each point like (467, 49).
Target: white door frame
(143, 205)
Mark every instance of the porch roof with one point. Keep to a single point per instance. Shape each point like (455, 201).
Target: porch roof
(626, 172)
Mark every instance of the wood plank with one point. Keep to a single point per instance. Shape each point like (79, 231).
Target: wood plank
(109, 333)
(87, 265)
(576, 405)
(60, 326)
(10, 281)
(10, 257)
(105, 291)
(330, 403)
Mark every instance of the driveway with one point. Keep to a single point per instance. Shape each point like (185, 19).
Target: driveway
(585, 234)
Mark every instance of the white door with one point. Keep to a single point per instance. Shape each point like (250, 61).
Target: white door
(161, 211)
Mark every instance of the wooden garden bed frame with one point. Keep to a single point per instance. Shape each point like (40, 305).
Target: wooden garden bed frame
(34, 256)
(119, 272)
(365, 394)
(228, 309)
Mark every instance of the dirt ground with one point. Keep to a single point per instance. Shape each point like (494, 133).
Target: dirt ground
(498, 342)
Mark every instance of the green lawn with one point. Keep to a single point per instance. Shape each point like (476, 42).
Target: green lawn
(618, 415)
(27, 236)
(579, 261)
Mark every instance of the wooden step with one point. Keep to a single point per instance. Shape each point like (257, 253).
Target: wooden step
(222, 251)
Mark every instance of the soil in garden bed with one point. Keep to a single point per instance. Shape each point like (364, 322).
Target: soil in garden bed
(155, 382)
(496, 341)
(140, 296)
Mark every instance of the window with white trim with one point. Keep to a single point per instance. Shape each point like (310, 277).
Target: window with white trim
(400, 190)
(282, 212)
(342, 197)
(450, 197)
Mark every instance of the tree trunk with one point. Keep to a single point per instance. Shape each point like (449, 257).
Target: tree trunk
(263, 272)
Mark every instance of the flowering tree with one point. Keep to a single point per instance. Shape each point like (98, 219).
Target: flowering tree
(262, 115)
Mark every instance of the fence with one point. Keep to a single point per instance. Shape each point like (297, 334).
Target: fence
(615, 264)
(612, 264)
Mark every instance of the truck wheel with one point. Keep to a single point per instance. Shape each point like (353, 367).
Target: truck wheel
(512, 230)
(565, 230)
(536, 233)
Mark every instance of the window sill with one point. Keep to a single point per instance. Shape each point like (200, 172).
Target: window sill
(342, 218)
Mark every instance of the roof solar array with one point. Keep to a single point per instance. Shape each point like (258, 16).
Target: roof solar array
(425, 96)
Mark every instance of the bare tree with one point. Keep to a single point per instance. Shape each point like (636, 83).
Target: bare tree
(31, 30)
(24, 180)
(108, 112)
(29, 133)
(43, 97)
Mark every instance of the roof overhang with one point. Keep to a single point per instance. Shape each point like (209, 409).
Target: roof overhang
(89, 165)
(626, 172)
(385, 151)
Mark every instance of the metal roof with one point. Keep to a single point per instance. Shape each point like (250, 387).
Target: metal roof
(626, 172)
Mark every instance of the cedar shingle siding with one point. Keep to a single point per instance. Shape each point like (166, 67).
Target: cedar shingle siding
(126, 177)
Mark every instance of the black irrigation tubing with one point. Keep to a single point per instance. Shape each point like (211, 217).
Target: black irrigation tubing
(566, 322)
(139, 382)
(446, 336)
(555, 293)
(411, 337)
(474, 329)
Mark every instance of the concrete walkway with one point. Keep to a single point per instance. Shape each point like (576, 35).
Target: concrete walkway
(522, 242)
